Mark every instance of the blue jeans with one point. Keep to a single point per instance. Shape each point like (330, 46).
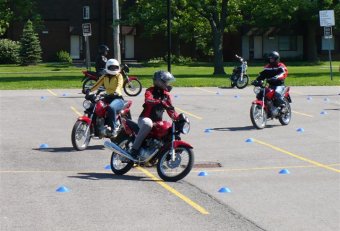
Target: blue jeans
(114, 108)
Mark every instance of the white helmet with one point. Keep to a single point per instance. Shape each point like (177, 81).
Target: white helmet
(112, 67)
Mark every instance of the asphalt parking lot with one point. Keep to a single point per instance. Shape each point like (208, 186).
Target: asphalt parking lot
(260, 198)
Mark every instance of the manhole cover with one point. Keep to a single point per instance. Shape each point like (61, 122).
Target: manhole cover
(206, 164)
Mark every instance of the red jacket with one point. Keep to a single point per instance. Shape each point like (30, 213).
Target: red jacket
(279, 72)
(156, 101)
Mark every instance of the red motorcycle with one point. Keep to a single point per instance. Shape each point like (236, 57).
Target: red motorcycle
(94, 121)
(162, 147)
(132, 86)
(264, 106)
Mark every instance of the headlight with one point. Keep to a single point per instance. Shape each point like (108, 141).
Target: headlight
(87, 104)
(186, 128)
(257, 90)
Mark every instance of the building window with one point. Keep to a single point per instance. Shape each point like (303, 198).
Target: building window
(86, 12)
(287, 43)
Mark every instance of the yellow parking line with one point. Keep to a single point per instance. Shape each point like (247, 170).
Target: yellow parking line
(52, 92)
(297, 156)
(188, 113)
(174, 191)
(76, 111)
(300, 113)
(201, 89)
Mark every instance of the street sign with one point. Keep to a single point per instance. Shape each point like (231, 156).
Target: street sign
(327, 32)
(87, 29)
(327, 18)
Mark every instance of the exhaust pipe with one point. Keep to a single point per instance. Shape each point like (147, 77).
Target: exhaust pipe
(118, 150)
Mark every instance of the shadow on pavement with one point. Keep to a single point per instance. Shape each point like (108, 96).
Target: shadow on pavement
(68, 149)
(108, 176)
(246, 128)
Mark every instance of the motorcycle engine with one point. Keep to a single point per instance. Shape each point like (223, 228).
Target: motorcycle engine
(150, 148)
(100, 122)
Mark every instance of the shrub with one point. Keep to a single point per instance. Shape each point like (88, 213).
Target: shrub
(156, 60)
(30, 50)
(64, 57)
(9, 51)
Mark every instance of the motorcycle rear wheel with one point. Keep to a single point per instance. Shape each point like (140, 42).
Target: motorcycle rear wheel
(242, 84)
(119, 164)
(286, 117)
(259, 121)
(80, 140)
(176, 170)
(132, 87)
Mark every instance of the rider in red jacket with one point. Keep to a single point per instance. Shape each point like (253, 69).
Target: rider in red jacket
(275, 72)
(157, 100)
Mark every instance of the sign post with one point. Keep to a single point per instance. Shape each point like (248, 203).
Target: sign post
(87, 33)
(327, 21)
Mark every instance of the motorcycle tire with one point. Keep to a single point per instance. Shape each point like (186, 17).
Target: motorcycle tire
(87, 84)
(132, 87)
(244, 83)
(165, 163)
(80, 127)
(286, 117)
(255, 112)
(120, 165)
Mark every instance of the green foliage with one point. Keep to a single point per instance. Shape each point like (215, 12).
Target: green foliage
(30, 50)
(18, 10)
(9, 51)
(64, 57)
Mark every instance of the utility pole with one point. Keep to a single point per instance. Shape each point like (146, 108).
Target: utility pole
(169, 34)
(116, 31)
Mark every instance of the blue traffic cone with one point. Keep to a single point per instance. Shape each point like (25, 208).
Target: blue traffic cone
(62, 189)
(249, 140)
(284, 171)
(224, 190)
(107, 167)
(323, 113)
(43, 97)
(309, 98)
(42, 146)
(236, 96)
(300, 130)
(207, 130)
(203, 173)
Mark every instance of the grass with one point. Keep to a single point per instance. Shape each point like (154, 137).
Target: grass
(55, 75)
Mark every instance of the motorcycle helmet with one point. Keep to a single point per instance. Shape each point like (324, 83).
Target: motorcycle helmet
(112, 67)
(102, 49)
(162, 79)
(274, 57)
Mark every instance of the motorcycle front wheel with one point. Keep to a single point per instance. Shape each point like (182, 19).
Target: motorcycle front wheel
(175, 170)
(88, 84)
(287, 115)
(240, 84)
(119, 164)
(132, 87)
(258, 119)
(80, 140)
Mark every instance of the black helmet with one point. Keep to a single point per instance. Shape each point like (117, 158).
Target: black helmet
(102, 49)
(162, 79)
(274, 55)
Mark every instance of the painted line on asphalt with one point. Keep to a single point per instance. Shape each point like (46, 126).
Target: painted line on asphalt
(174, 191)
(76, 111)
(303, 114)
(202, 89)
(154, 171)
(50, 91)
(297, 156)
(190, 114)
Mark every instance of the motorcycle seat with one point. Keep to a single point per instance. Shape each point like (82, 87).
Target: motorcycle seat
(133, 125)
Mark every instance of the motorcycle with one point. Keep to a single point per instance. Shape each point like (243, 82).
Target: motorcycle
(239, 77)
(264, 106)
(93, 124)
(132, 86)
(162, 147)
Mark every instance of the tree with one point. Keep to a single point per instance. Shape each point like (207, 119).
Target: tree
(19, 10)
(30, 50)
(290, 13)
(201, 21)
